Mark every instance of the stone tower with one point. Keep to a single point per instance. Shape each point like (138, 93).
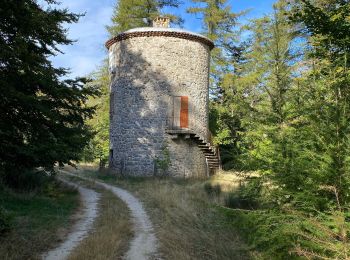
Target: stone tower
(159, 102)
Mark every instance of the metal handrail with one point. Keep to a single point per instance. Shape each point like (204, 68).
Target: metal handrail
(208, 138)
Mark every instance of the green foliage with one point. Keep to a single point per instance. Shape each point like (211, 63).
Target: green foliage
(247, 196)
(5, 221)
(29, 180)
(35, 219)
(281, 107)
(290, 234)
(270, 232)
(98, 147)
(328, 26)
(162, 162)
(325, 236)
(219, 25)
(42, 115)
(130, 14)
(212, 190)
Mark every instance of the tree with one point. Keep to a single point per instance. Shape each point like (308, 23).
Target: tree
(327, 23)
(267, 86)
(130, 14)
(98, 147)
(219, 24)
(42, 116)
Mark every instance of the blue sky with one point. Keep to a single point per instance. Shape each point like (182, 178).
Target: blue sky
(86, 54)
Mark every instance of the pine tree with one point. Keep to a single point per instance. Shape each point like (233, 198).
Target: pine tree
(219, 24)
(98, 147)
(42, 116)
(327, 23)
(130, 14)
(264, 92)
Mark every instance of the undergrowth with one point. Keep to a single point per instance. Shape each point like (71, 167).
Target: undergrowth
(286, 231)
(187, 224)
(30, 221)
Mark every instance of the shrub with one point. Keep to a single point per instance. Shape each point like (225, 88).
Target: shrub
(27, 180)
(236, 200)
(5, 221)
(162, 162)
(212, 190)
(243, 198)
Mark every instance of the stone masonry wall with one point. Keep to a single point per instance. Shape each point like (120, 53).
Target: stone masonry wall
(146, 73)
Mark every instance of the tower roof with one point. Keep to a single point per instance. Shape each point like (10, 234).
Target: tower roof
(160, 32)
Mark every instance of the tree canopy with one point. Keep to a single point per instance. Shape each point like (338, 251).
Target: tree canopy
(130, 14)
(42, 114)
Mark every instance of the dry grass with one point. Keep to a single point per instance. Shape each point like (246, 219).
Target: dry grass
(230, 180)
(188, 223)
(112, 229)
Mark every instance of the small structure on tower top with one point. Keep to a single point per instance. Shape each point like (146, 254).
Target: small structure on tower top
(161, 22)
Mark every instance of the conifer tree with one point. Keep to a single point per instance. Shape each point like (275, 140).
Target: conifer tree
(130, 14)
(267, 96)
(219, 24)
(42, 116)
(327, 23)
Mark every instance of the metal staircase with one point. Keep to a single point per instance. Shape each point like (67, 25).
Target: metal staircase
(210, 151)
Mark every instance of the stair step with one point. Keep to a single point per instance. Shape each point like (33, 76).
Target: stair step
(205, 146)
(207, 149)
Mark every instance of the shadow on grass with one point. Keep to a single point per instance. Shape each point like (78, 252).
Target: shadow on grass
(36, 220)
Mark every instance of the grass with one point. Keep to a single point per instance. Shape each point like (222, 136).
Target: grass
(189, 224)
(36, 220)
(112, 229)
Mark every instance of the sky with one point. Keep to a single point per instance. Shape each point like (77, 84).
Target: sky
(88, 51)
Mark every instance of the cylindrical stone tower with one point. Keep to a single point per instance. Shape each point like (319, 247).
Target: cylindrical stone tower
(159, 103)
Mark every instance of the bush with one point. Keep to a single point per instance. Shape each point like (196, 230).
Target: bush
(27, 180)
(212, 190)
(272, 233)
(5, 221)
(236, 200)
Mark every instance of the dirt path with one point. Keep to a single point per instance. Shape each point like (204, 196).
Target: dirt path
(80, 230)
(144, 244)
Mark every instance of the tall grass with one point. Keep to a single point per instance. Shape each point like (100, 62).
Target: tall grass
(188, 224)
(112, 231)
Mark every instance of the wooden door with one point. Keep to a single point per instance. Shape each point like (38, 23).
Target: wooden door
(184, 112)
(181, 112)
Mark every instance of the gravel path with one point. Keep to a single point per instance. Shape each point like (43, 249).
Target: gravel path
(80, 230)
(144, 244)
